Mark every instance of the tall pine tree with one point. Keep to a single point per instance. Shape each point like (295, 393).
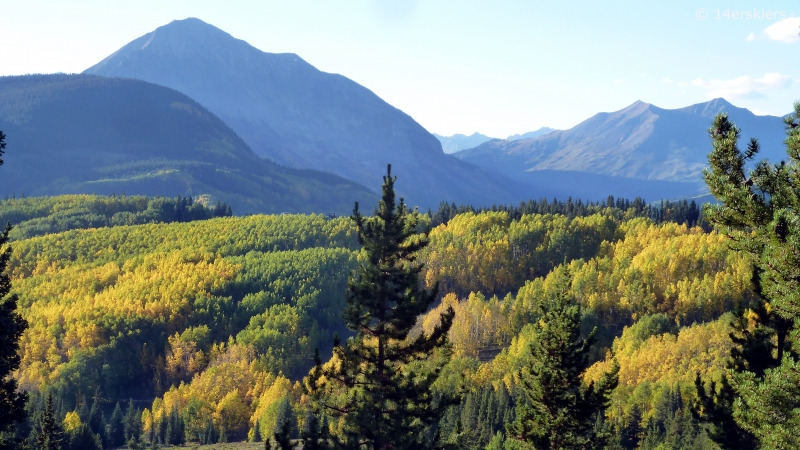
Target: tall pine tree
(753, 351)
(132, 424)
(560, 410)
(12, 325)
(378, 384)
(760, 211)
(115, 430)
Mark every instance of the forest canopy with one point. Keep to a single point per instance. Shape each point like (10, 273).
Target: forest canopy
(36, 216)
(223, 315)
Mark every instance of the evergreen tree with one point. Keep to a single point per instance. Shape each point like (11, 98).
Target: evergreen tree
(181, 426)
(162, 431)
(170, 433)
(12, 325)
(631, 433)
(314, 434)
(132, 423)
(83, 410)
(469, 412)
(379, 382)
(285, 414)
(174, 434)
(210, 434)
(49, 435)
(223, 433)
(761, 213)
(463, 438)
(754, 351)
(282, 437)
(115, 431)
(497, 442)
(256, 432)
(653, 437)
(560, 411)
(95, 419)
(82, 438)
(714, 409)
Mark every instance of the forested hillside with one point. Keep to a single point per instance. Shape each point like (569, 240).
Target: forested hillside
(81, 134)
(658, 295)
(208, 326)
(36, 216)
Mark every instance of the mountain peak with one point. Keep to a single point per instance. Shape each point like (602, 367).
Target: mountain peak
(189, 21)
(186, 42)
(634, 109)
(191, 27)
(637, 105)
(720, 100)
(711, 108)
(298, 116)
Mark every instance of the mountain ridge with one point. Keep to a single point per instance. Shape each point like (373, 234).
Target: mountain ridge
(640, 141)
(458, 142)
(531, 134)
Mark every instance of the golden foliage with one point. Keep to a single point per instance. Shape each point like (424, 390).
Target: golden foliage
(670, 359)
(72, 421)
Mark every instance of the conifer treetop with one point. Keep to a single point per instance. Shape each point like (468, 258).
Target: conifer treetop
(379, 387)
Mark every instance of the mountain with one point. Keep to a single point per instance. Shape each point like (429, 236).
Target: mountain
(292, 113)
(531, 134)
(90, 134)
(628, 149)
(458, 142)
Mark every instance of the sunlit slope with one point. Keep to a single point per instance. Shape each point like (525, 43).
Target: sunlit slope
(96, 297)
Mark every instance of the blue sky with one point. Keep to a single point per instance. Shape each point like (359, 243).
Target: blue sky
(499, 68)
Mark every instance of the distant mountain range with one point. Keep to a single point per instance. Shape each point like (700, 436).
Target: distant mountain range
(292, 113)
(458, 142)
(325, 138)
(90, 134)
(531, 134)
(641, 148)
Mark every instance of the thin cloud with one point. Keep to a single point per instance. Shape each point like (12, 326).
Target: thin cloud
(744, 86)
(786, 30)
(394, 11)
(760, 112)
(750, 37)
